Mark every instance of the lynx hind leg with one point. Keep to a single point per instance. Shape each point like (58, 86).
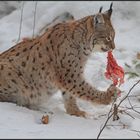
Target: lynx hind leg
(12, 87)
(71, 106)
(8, 83)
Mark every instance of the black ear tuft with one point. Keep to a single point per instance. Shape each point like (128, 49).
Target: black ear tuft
(101, 8)
(109, 12)
(110, 9)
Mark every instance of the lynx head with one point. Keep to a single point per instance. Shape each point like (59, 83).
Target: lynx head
(103, 39)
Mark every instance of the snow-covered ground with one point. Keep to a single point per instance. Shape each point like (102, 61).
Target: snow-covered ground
(20, 122)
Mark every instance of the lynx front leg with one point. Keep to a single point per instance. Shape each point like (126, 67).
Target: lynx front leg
(71, 106)
(79, 88)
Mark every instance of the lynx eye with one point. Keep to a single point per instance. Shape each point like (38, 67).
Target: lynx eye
(108, 38)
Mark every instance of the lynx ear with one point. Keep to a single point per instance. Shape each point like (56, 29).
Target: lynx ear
(98, 19)
(109, 12)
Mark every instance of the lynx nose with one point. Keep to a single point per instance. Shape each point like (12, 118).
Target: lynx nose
(113, 45)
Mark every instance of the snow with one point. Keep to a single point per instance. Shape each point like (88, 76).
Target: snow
(20, 122)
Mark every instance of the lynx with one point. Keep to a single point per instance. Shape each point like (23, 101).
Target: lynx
(35, 69)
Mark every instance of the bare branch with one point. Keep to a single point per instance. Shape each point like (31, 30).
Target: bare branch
(132, 106)
(34, 19)
(134, 130)
(138, 132)
(129, 108)
(129, 114)
(138, 135)
(21, 20)
(104, 125)
(129, 92)
(115, 113)
(133, 96)
(111, 114)
(122, 125)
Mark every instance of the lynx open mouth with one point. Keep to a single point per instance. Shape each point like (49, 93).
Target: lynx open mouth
(105, 49)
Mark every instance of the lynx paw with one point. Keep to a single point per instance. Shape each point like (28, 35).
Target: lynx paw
(113, 90)
(78, 113)
(112, 93)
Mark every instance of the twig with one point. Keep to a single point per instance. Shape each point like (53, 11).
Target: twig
(125, 111)
(34, 19)
(133, 107)
(21, 20)
(104, 125)
(102, 115)
(134, 130)
(129, 108)
(111, 114)
(128, 114)
(128, 92)
(123, 125)
(115, 113)
(133, 96)
(138, 132)
(138, 135)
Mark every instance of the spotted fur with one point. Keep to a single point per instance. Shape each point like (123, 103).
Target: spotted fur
(35, 69)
